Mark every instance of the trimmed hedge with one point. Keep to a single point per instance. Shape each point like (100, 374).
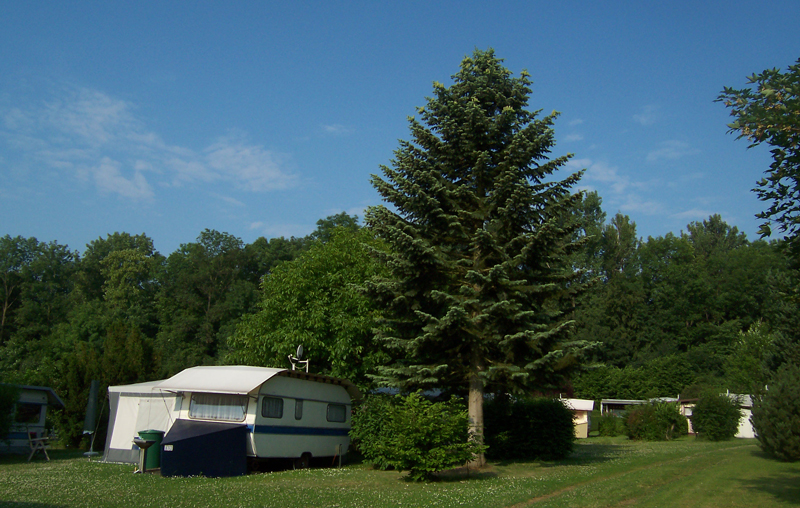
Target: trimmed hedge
(530, 429)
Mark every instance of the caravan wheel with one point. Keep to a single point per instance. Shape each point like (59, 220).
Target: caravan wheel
(303, 462)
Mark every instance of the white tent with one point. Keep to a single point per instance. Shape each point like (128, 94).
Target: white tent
(133, 408)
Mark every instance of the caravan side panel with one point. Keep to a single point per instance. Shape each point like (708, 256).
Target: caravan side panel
(314, 418)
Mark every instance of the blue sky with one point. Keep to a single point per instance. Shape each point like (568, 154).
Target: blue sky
(259, 118)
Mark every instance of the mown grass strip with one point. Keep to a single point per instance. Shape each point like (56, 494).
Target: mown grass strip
(602, 473)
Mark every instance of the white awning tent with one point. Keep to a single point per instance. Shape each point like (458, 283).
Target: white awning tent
(155, 405)
(133, 408)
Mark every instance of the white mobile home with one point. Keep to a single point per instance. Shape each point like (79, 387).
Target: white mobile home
(288, 414)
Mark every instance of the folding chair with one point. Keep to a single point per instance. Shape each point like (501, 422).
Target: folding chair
(38, 444)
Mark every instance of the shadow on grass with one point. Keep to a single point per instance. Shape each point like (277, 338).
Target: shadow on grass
(785, 486)
(19, 504)
(463, 473)
(55, 455)
(583, 454)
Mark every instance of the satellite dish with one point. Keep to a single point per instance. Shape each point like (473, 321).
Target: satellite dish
(300, 352)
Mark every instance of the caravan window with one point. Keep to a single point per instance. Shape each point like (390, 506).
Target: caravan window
(298, 409)
(218, 406)
(272, 407)
(337, 413)
(28, 413)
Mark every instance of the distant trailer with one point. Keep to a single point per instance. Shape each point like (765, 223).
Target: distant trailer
(617, 407)
(582, 415)
(288, 414)
(29, 415)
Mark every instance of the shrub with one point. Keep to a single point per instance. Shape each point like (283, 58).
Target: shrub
(610, 425)
(414, 434)
(776, 414)
(539, 428)
(716, 417)
(657, 421)
(368, 430)
(9, 395)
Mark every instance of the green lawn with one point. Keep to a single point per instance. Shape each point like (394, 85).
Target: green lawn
(603, 472)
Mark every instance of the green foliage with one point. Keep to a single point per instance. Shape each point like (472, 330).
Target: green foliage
(413, 434)
(480, 239)
(9, 394)
(327, 226)
(744, 367)
(776, 414)
(768, 112)
(655, 421)
(538, 428)
(205, 287)
(660, 377)
(369, 427)
(315, 301)
(610, 425)
(716, 417)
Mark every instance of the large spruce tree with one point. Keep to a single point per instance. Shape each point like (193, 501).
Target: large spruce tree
(480, 241)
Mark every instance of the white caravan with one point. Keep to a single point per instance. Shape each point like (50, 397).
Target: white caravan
(289, 414)
(28, 418)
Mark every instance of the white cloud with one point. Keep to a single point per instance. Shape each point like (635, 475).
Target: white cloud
(231, 201)
(635, 204)
(693, 214)
(616, 188)
(284, 230)
(602, 173)
(108, 179)
(250, 167)
(574, 137)
(336, 129)
(100, 139)
(577, 121)
(648, 115)
(670, 150)
(89, 115)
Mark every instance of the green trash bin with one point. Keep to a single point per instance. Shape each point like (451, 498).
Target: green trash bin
(152, 459)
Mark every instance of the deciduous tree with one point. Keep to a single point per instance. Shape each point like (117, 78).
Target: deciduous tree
(768, 111)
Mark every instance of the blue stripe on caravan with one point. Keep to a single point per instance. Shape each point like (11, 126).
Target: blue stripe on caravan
(300, 431)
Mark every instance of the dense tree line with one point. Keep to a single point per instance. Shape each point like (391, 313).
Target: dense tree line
(121, 312)
(676, 313)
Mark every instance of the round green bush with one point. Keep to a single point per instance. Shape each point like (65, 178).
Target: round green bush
(716, 417)
(776, 414)
(413, 434)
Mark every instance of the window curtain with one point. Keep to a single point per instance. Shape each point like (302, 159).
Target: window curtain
(218, 406)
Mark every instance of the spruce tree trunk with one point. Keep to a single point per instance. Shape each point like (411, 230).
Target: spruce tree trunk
(475, 408)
